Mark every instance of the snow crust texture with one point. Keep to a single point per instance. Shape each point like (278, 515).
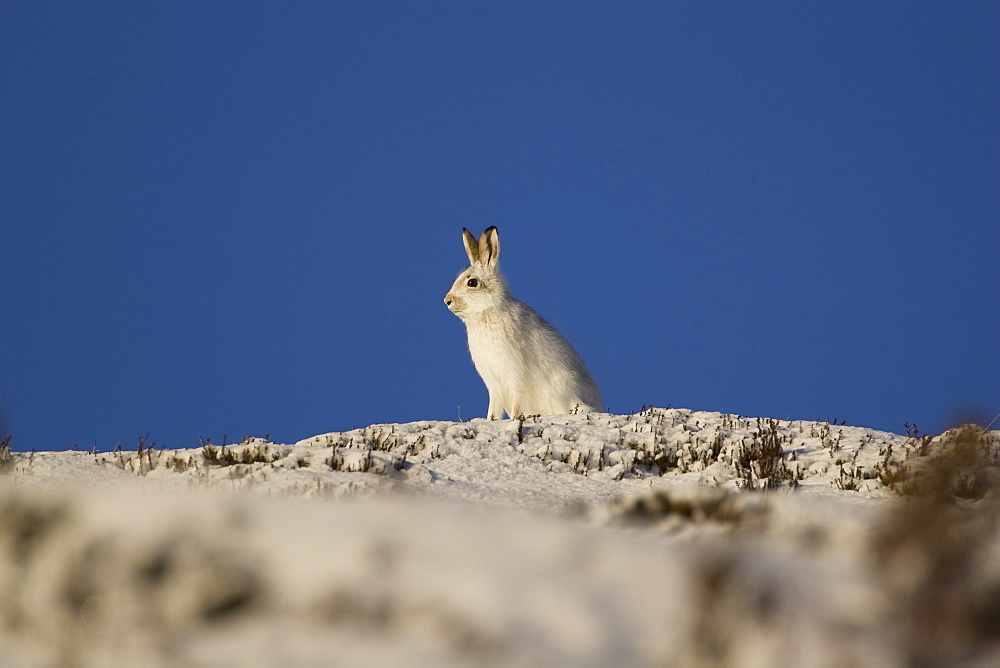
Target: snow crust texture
(667, 537)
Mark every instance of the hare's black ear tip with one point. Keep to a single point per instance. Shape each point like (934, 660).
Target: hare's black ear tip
(491, 228)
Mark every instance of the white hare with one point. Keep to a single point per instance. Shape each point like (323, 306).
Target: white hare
(528, 367)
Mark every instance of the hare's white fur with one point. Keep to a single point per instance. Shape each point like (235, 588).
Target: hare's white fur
(527, 366)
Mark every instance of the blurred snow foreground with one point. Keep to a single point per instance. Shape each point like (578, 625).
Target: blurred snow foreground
(668, 537)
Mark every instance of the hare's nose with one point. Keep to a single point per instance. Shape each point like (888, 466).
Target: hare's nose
(447, 300)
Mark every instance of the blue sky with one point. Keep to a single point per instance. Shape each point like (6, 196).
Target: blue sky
(241, 218)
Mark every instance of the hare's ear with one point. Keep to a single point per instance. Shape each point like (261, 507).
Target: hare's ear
(471, 246)
(489, 247)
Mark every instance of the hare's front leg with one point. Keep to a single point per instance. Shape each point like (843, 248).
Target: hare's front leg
(495, 411)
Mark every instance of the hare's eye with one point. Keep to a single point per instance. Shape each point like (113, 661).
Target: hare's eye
(473, 283)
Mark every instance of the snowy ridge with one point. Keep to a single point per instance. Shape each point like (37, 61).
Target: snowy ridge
(579, 539)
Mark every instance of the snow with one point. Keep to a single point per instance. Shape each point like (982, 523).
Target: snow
(563, 540)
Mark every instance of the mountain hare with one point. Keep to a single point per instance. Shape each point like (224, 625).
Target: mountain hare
(528, 367)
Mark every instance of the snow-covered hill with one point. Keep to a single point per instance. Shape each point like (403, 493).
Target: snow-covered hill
(665, 537)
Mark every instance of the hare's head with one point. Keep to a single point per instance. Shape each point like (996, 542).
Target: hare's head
(481, 286)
